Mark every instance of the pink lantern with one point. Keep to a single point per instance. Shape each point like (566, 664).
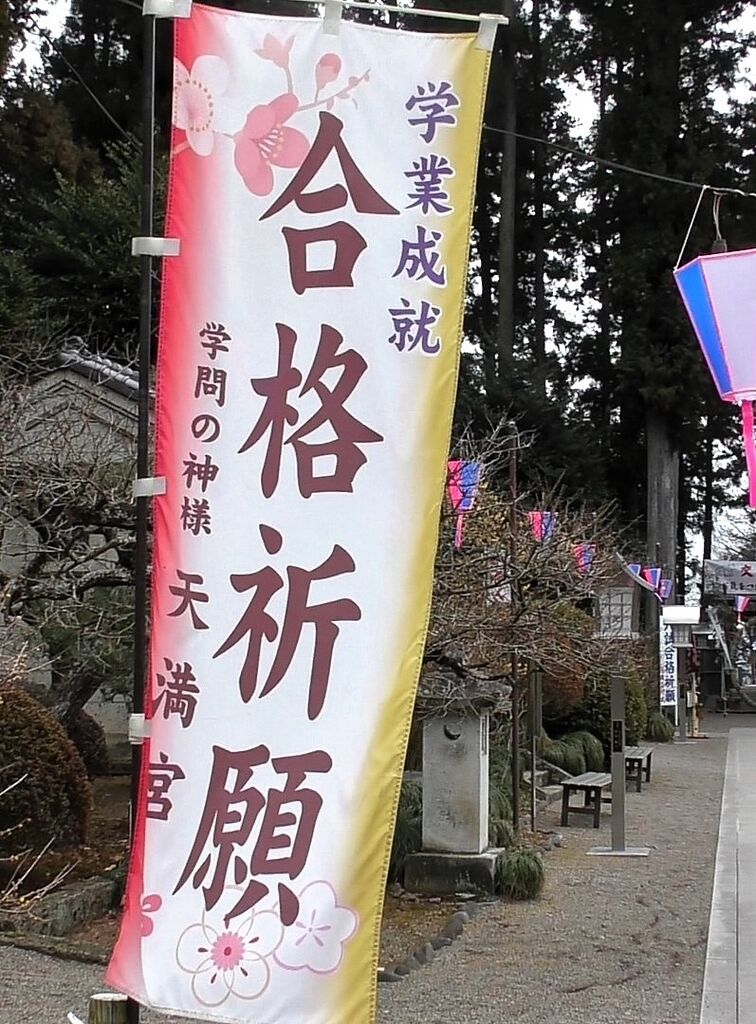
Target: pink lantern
(463, 480)
(719, 292)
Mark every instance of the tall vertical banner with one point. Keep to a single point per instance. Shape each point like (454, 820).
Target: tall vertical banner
(668, 695)
(321, 189)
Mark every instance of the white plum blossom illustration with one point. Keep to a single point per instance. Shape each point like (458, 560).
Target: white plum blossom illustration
(316, 940)
(197, 106)
(225, 961)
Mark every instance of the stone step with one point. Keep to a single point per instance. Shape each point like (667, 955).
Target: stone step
(549, 794)
(541, 778)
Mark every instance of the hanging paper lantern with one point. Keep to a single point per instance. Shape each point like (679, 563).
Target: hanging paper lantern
(542, 525)
(719, 292)
(462, 487)
(584, 555)
(741, 605)
(652, 576)
(664, 590)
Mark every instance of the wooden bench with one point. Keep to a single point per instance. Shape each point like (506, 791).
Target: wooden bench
(592, 786)
(638, 765)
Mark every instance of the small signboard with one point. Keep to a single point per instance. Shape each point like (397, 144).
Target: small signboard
(618, 736)
(729, 578)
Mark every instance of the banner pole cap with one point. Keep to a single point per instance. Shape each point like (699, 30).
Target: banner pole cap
(332, 13)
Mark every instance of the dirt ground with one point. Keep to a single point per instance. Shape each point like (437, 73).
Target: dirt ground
(407, 923)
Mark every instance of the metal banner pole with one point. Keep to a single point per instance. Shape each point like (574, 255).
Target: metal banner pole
(533, 730)
(618, 847)
(618, 763)
(682, 708)
(515, 735)
(143, 428)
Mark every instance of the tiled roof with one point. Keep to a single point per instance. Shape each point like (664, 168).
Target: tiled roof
(77, 357)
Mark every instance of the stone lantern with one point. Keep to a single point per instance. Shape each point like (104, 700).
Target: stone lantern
(456, 857)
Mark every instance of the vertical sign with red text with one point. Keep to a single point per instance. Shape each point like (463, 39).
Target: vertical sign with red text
(321, 187)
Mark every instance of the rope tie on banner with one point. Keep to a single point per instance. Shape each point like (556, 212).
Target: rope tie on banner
(746, 409)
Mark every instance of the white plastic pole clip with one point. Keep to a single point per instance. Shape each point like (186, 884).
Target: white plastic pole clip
(332, 12)
(487, 31)
(149, 486)
(149, 245)
(168, 8)
(139, 729)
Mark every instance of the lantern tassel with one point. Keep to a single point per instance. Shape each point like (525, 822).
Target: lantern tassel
(746, 409)
(459, 531)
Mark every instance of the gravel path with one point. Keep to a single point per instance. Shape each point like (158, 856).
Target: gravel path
(611, 940)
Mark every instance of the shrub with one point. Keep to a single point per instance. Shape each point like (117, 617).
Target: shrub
(88, 736)
(659, 728)
(593, 713)
(520, 874)
(591, 746)
(54, 799)
(499, 811)
(409, 829)
(567, 756)
(636, 711)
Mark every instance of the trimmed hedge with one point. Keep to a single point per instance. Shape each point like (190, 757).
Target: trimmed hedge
(591, 747)
(55, 798)
(593, 713)
(659, 728)
(88, 736)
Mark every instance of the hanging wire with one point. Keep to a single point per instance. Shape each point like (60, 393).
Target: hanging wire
(578, 153)
(616, 166)
(704, 188)
(51, 41)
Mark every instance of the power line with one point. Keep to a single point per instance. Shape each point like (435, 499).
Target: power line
(615, 166)
(43, 32)
(571, 151)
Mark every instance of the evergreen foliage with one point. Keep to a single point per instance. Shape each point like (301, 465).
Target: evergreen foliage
(591, 747)
(593, 713)
(408, 830)
(659, 728)
(53, 801)
(88, 736)
(520, 874)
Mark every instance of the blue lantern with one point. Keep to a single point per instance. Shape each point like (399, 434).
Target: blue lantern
(719, 292)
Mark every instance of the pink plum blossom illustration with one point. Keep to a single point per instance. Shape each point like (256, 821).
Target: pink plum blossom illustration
(274, 50)
(327, 70)
(266, 141)
(150, 905)
(316, 940)
(205, 106)
(229, 961)
(197, 106)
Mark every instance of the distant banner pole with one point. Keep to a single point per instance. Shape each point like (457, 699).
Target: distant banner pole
(318, 224)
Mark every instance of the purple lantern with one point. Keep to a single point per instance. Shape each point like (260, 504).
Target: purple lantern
(719, 292)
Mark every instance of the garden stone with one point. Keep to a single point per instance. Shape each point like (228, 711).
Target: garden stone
(425, 954)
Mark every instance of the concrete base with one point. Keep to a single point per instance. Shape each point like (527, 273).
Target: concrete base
(443, 874)
(629, 851)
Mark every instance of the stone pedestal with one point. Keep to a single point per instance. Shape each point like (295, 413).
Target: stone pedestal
(443, 874)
